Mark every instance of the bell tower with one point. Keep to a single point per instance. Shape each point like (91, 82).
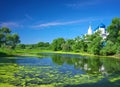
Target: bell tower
(89, 30)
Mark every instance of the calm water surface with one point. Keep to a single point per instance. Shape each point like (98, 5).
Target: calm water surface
(59, 70)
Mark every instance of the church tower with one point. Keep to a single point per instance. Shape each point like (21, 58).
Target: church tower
(89, 30)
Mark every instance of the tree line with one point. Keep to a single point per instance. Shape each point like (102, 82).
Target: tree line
(93, 44)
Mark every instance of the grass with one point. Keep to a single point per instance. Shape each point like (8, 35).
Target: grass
(33, 52)
(6, 85)
(6, 52)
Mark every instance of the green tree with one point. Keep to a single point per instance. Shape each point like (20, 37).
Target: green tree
(57, 44)
(16, 40)
(94, 43)
(113, 39)
(21, 46)
(1, 38)
(80, 44)
(4, 31)
(109, 49)
(114, 31)
(43, 44)
(46, 44)
(67, 46)
(118, 50)
(8, 39)
(40, 44)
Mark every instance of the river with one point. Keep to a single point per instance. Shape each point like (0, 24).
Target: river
(59, 70)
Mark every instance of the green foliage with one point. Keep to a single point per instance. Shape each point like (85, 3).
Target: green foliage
(94, 43)
(113, 39)
(43, 45)
(31, 46)
(109, 49)
(40, 46)
(57, 44)
(80, 45)
(67, 46)
(118, 50)
(21, 46)
(114, 30)
(76, 47)
(2, 54)
(7, 39)
(6, 85)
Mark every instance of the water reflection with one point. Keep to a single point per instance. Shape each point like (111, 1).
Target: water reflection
(60, 70)
(89, 65)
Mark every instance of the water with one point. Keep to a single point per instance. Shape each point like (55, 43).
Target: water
(59, 70)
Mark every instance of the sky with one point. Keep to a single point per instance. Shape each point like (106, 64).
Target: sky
(45, 20)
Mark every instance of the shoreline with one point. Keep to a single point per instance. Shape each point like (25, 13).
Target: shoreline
(82, 54)
(35, 53)
(61, 52)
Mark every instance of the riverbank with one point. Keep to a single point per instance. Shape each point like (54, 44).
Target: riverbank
(82, 54)
(34, 52)
(7, 52)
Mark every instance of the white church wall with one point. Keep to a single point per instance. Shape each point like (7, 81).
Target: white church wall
(102, 30)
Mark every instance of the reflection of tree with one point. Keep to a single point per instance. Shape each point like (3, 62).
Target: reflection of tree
(7, 60)
(111, 65)
(89, 65)
(58, 60)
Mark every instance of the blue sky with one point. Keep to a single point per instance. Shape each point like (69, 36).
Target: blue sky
(45, 20)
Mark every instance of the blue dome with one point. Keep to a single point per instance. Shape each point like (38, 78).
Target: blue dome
(101, 25)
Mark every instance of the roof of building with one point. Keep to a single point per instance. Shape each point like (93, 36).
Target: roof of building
(101, 25)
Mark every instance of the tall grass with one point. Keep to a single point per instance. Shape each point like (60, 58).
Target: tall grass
(6, 52)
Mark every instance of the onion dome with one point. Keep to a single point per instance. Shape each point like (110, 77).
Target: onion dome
(101, 25)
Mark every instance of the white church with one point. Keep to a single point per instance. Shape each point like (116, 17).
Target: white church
(101, 27)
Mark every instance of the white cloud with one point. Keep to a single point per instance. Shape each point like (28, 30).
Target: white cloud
(84, 3)
(28, 17)
(9, 24)
(53, 24)
(49, 24)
